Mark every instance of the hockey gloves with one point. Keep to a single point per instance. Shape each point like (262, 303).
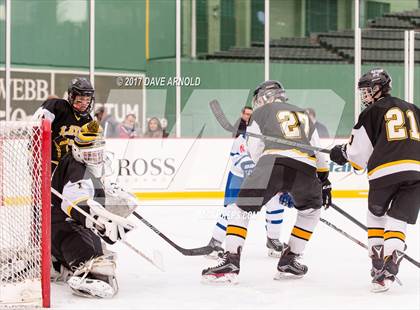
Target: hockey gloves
(326, 188)
(108, 226)
(338, 154)
(286, 199)
(326, 193)
(247, 167)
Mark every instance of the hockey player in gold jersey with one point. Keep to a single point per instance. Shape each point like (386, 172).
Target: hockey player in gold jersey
(279, 168)
(386, 141)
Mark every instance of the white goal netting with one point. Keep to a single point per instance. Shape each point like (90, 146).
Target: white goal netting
(24, 223)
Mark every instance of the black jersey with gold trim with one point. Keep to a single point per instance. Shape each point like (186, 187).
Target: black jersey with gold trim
(76, 183)
(289, 122)
(64, 125)
(386, 141)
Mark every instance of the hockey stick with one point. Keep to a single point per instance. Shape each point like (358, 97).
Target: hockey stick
(224, 122)
(90, 217)
(355, 221)
(343, 233)
(188, 252)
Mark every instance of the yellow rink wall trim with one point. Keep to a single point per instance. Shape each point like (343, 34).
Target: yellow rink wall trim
(26, 200)
(220, 195)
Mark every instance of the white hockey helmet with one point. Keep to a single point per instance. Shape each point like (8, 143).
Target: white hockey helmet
(89, 146)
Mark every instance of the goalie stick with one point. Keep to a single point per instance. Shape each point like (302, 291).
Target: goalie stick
(364, 227)
(224, 122)
(157, 262)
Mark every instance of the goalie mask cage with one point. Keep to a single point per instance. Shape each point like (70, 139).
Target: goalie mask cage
(25, 207)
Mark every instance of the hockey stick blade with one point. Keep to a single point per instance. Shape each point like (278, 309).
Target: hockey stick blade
(361, 225)
(224, 122)
(205, 250)
(220, 116)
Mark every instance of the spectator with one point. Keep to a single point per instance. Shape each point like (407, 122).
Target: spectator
(127, 129)
(108, 123)
(154, 129)
(164, 123)
(243, 122)
(321, 128)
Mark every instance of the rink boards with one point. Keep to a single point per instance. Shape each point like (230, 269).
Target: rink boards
(197, 168)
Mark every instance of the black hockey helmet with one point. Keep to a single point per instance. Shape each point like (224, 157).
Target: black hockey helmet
(268, 92)
(81, 86)
(371, 83)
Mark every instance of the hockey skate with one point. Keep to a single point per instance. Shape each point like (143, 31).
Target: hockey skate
(275, 247)
(384, 279)
(216, 245)
(225, 272)
(95, 278)
(377, 260)
(59, 273)
(288, 266)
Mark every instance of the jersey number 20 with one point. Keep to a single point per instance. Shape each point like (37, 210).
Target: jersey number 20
(395, 125)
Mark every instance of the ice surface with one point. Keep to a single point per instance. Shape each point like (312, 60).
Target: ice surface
(338, 276)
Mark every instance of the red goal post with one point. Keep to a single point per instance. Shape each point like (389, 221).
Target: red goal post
(25, 210)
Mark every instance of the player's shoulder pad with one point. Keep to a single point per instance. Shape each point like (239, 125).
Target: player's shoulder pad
(290, 107)
(75, 171)
(367, 114)
(54, 101)
(56, 105)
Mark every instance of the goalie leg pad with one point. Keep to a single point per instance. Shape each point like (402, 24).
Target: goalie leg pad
(95, 278)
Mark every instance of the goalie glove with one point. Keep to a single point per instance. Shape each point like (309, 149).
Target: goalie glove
(118, 201)
(108, 226)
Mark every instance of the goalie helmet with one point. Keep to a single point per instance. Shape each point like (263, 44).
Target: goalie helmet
(81, 86)
(268, 92)
(89, 146)
(371, 83)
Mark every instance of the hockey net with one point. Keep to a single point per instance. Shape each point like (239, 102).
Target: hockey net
(25, 213)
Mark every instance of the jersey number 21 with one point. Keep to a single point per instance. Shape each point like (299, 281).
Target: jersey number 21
(396, 129)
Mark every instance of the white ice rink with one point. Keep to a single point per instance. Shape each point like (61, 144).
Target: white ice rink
(338, 276)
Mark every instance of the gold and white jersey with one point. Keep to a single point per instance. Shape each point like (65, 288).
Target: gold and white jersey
(386, 141)
(288, 122)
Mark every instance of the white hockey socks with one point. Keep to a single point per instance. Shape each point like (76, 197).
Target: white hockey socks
(236, 229)
(274, 217)
(375, 226)
(394, 235)
(302, 231)
(219, 231)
